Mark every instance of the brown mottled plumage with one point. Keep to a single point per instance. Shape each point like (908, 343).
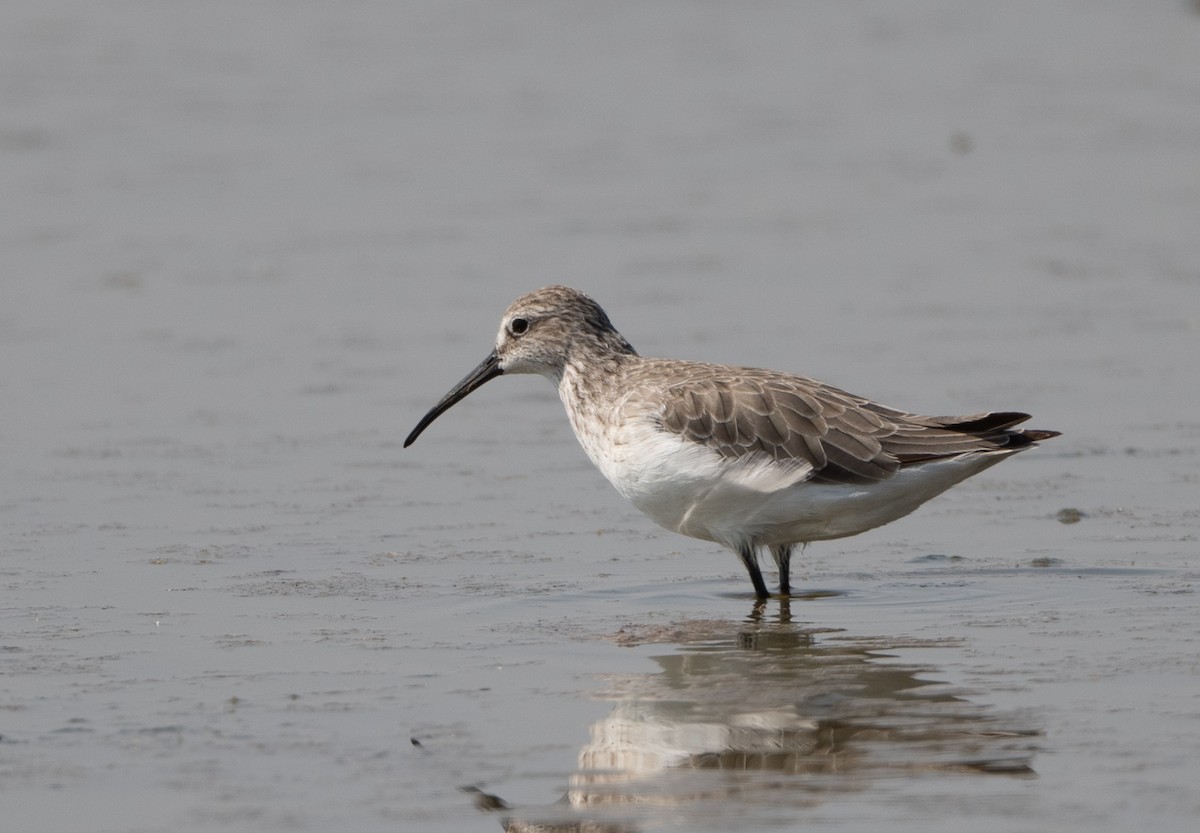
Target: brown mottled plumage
(845, 438)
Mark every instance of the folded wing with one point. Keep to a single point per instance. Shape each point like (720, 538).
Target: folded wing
(748, 415)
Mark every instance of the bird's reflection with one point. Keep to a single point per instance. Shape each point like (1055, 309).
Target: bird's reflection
(770, 717)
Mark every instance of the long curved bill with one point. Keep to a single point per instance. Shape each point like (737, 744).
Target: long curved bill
(487, 370)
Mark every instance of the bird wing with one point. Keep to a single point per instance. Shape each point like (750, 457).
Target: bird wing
(753, 415)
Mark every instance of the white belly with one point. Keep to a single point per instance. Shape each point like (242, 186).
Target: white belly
(690, 489)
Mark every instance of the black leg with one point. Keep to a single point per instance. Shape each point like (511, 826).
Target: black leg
(782, 553)
(750, 559)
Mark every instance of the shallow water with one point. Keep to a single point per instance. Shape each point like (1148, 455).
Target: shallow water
(246, 246)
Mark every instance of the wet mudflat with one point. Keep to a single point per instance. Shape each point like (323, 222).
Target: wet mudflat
(245, 248)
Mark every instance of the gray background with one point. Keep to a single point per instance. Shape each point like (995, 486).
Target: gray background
(245, 245)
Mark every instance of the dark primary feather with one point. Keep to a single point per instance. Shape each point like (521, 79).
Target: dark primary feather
(847, 439)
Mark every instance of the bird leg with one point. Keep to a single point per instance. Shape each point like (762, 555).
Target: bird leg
(750, 559)
(782, 553)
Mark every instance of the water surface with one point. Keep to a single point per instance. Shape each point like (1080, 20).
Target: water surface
(246, 246)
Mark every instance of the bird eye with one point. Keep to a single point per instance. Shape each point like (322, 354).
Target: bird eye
(518, 326)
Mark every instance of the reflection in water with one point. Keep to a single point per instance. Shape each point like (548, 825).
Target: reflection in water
(761, 719)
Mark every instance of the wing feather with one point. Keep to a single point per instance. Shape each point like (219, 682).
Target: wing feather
(836, 437)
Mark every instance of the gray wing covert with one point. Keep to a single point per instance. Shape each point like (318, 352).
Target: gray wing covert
(785, 419)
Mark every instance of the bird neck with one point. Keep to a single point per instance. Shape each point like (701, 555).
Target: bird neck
(593, 369)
